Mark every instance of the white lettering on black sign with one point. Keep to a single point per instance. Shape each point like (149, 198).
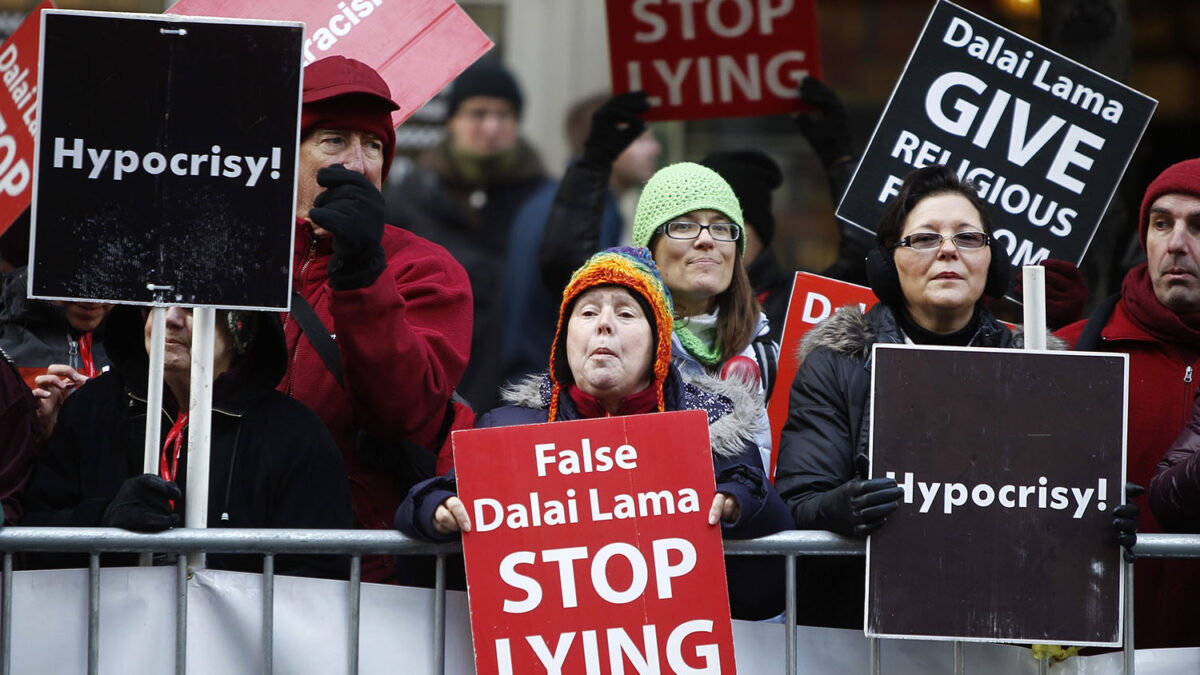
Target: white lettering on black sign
(116, 163)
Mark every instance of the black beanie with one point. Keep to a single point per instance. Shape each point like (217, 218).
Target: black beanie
(753, 176)
(485, 77)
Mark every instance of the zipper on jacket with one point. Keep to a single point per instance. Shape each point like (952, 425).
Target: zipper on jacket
(73, 352)
(1187, 374)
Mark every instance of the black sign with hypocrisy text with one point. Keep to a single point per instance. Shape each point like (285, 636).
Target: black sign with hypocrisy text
(1011, 464)
(166, 160)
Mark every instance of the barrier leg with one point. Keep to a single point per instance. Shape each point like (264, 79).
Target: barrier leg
(6, 585)
(268, 614)
(789, 640)
(181, 603)
(1130, 664)
(439, 617)
(874, 656)
(355, 605)
(958, 658)
(93, 648)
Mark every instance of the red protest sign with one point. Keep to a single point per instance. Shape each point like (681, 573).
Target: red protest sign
(590, 548)
(814, 299)
(713, 58)
(18, 115)
(417, 45)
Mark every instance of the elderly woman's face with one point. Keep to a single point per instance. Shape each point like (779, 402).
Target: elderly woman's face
(609, 344)
(944, 283)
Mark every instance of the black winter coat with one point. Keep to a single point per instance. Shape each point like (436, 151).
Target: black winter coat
(273, 463)
(828, 425)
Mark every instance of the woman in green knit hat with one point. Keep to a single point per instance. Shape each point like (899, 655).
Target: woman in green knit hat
(691, 221)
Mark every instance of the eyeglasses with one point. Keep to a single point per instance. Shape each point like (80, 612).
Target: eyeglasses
(686, 229)
(927, 241)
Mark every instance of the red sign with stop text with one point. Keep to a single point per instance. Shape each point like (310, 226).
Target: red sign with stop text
(814, 299)
(713, 58)
(590, 550)
(18, 115)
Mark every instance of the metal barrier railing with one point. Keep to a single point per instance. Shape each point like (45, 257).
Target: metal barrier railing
(356, 543)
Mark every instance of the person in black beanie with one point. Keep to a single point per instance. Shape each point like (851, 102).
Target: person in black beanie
(465, 194)
(754, 176)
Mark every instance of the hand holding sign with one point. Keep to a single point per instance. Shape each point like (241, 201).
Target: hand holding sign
(827, 130)
(724, 508)
(451, 516)
(351, 207)
(615, 125)
(861, 506)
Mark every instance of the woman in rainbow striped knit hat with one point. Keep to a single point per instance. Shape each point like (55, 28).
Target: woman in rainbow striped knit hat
(612, 356)
(690, 219)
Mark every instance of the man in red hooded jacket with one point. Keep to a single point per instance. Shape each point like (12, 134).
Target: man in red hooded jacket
(398, 306)
(1156, 321)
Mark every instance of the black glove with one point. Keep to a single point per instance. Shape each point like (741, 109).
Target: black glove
(827, 131)
(351, 207)
(861, 506)
(615, 125)
(1125, 520)
(143, 504)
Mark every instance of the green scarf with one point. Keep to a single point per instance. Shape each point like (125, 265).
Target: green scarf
(706, 353)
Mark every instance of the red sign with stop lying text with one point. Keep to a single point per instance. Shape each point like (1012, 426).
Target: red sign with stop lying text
(590, 550)
(18, 115)
(713, 58)
(416, 45)
(814, 299)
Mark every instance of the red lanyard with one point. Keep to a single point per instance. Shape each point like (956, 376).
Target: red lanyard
(85, 355)
(174, 438)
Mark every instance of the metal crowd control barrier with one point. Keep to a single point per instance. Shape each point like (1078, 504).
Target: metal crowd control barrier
(356, 543)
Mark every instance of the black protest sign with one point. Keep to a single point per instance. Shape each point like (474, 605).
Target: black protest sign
(166, 159)
(1011, 463)
(1044, 139)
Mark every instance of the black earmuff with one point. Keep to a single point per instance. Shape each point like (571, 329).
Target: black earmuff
(883, 278)
(1000, 277)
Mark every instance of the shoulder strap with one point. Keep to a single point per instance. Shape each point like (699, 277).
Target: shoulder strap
(318, 336)
(1089, 338)
(766, 352)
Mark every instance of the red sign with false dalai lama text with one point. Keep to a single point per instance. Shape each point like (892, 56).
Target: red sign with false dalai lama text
(713, 58)
(416, 45)
(590, 550)
(18, 115)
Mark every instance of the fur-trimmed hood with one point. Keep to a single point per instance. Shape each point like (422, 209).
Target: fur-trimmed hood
(852, 332)
(733, 408)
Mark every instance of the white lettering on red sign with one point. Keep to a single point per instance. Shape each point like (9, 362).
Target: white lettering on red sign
(339, 25)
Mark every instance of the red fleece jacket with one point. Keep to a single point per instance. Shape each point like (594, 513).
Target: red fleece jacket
(1162, 389)
(404, 342)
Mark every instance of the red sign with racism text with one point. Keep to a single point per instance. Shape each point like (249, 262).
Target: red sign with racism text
(416, 45)
(18, 115)
(713, 58)
(814, 299)
(590, 549)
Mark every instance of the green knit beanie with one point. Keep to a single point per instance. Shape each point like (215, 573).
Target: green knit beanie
(678, 189)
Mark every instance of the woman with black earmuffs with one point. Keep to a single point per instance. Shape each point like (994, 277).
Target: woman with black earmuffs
(934, 260)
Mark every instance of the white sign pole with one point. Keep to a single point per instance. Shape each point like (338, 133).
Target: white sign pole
(154, 389)
(1033, 282)
(200, 422)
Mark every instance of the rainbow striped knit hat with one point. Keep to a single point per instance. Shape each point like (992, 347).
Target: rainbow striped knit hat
(633, 268)
(682, 188)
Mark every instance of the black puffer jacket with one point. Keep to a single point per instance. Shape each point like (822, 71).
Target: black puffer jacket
(273, 463)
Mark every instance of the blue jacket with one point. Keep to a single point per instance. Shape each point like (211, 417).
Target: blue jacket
(732, 416)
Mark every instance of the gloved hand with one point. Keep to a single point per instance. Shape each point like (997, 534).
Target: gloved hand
(861, 506)
(1125, 520)
(827, 130)
(615, 125)
(143, 504)
(351, 207)
(1066, 292)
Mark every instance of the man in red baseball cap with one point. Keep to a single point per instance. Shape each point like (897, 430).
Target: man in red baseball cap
(1156, 320)
(394, 309)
